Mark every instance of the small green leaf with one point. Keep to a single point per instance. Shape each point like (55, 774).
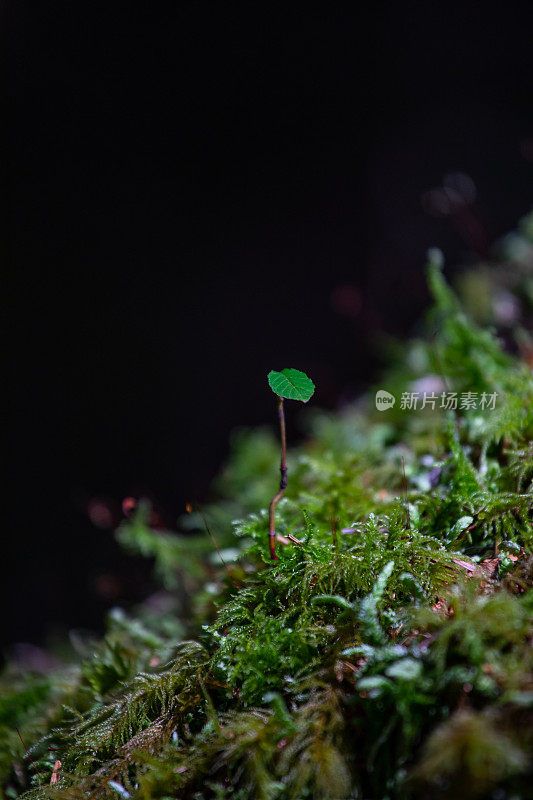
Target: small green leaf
(292, 384)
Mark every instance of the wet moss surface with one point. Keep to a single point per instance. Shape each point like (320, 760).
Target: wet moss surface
(386, 653)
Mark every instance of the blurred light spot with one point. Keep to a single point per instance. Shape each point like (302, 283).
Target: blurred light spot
(517, 248)
(506, 308)
(30, 657)
(100, 514)
(129, 504)
(428, 384)
(107, 586)
(346, 300)
(458, 190)
(462, 184)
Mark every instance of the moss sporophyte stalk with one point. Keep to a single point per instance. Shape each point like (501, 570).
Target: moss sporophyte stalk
(393, 660)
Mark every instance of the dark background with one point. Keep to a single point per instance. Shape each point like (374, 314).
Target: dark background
(199, 193)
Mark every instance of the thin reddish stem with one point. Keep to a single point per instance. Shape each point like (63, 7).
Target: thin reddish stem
(282, 484)
(27, 753)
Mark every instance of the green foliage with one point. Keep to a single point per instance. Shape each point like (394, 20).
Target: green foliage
(174, 556)
(292, 384)
(385, 654)
(470, 753)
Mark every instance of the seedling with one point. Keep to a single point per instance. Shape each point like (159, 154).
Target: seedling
(289, 384)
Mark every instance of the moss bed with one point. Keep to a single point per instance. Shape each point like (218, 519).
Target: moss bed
(386, 654)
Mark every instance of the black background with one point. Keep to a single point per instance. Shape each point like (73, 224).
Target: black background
(190, 185)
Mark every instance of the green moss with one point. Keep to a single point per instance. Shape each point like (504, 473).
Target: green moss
(385, 654)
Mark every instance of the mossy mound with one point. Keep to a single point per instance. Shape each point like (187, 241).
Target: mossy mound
(386, 654)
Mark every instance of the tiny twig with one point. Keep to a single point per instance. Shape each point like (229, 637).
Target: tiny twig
(288, 538)
(293, 538)
(282, 484)
(232, 579)
(27, 753)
